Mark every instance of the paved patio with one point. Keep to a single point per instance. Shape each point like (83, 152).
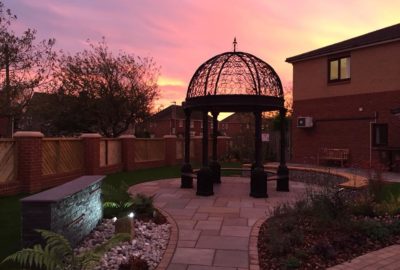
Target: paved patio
(220, 232)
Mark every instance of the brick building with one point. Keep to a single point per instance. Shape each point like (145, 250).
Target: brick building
(345, 96)
(236, 124)
(171, 121)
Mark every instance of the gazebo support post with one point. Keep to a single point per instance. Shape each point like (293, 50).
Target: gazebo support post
(186, 169)
(258, 182)
(204, 175)
(283, 171)
(214, 165)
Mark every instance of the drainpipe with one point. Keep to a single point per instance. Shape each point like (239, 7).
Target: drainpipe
(370, 137)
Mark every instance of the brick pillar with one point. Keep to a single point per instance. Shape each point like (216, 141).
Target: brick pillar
(29, 160)
(170, 150)
(91, 152)
(128, 152)
(197, 141)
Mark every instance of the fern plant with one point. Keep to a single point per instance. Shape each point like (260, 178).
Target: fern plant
(116, 199)
(58, 253)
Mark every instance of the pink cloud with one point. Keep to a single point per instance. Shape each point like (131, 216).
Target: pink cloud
(181, 34)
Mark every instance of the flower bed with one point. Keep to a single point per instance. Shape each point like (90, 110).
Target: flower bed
(330, 227)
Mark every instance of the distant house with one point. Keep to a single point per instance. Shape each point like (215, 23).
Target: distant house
(236, 124)
(171, 121)
(345, 96)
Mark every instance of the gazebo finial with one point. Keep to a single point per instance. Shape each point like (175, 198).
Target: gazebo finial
(234, 44)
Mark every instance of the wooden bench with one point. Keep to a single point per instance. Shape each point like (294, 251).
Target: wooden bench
(333, 154)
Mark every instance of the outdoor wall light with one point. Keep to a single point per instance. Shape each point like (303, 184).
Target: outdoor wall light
(114, 219)
(360, 109)
(131, 215)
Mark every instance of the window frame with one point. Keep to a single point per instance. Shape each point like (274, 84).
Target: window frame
(338, 58)
(373, 135)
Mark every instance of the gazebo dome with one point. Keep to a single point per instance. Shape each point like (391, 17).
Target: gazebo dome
(235, 73)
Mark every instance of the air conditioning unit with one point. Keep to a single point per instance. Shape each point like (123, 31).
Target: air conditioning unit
(304, 122)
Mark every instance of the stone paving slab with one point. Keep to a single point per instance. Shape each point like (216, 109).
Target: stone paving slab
(220, 232)
(385, 258)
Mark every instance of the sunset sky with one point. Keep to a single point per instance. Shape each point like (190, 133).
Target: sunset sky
(182, 34)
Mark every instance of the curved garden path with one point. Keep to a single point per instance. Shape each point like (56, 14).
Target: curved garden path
(220, 232)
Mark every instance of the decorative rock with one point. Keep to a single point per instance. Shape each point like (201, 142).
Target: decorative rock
(150, 242)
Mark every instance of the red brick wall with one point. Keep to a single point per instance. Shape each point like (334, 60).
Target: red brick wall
(29, 161)
(351, 129)
(373, 69)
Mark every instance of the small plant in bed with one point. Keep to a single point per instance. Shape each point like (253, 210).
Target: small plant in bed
(58, 253)
(329, 227)
(119, 203)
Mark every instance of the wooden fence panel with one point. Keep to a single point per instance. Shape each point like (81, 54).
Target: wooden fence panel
(149, 150)
(103, 153)
(110, 152)
(7, 161)
(61, 155)
(114, 155)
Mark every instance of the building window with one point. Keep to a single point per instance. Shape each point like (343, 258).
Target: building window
(379, 134)
(191, 124)
(339, 69)
(180, 123)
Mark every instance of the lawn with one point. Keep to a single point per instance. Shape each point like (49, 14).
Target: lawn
(10, 234)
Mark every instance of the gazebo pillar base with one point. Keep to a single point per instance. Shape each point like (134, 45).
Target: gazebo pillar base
(186, 181)
(258, 183)
(204, 182)
(215, 171)
(283, 178)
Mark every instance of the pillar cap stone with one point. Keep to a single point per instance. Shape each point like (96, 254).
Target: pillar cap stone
(30, 134)
(90, 135)
(127, 136)
(169, 136)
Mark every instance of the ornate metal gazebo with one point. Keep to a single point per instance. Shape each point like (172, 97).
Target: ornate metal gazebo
(233, 82)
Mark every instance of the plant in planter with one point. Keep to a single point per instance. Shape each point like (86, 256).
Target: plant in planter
(143, 206)
(58, 254)
(117, 201)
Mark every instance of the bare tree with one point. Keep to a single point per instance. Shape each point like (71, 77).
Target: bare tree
(116, 90)
(25, 66)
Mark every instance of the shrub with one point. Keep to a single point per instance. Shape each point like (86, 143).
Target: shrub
(143, 206)
(292, 262)
(296, 237)
(324, 249)
(363, 207)
(278, 243)
(117, 200)
(329, 206)
(374, 229)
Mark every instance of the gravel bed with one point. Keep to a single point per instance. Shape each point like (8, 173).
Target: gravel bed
(149, 243)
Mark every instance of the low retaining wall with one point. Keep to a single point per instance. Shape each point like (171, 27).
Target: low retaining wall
(72, 210)
(319, 176)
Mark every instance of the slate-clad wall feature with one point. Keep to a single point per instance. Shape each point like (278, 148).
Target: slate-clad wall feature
(72, 209)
